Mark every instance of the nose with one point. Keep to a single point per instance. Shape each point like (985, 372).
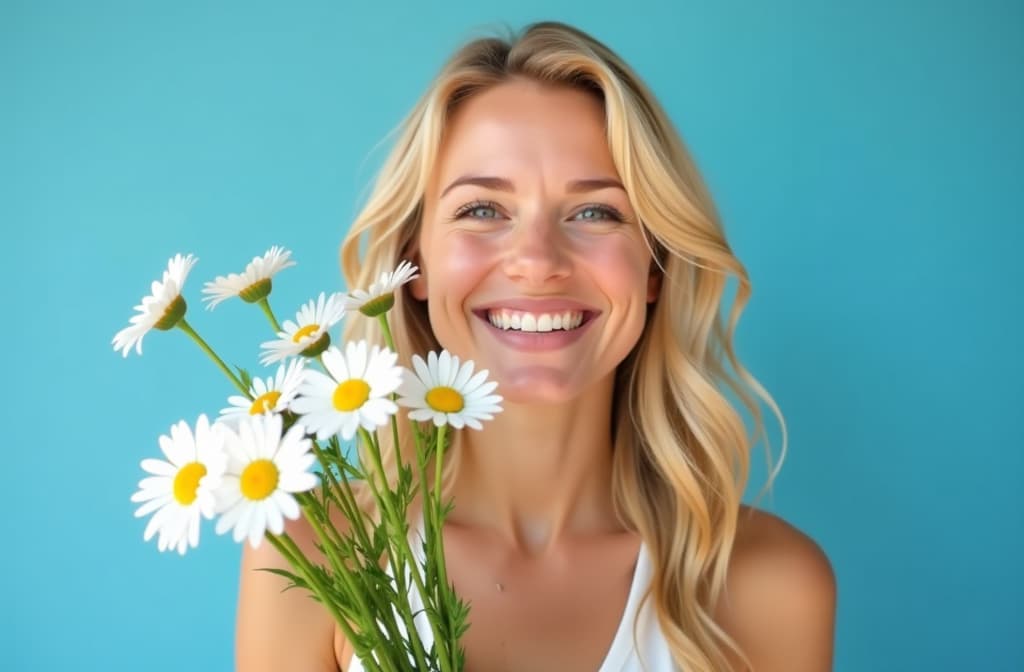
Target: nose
(536, 253)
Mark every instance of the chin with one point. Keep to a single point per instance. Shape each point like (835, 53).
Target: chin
(528, 389)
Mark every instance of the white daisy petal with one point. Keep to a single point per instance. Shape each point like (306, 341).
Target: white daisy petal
(297, 482)
(162, 303)
(177, 496)
(446, 391)
(153, 486)
(152, 505)
(421, 414)
(254, 494)
(386, 284)
(355, 355)
(275, 519)
(357, 396)
(244, 525)
(349, 425)
(257, 525)
(287, 505)
(462, 377)
(158, 467)
(258, 270)
(312, 323)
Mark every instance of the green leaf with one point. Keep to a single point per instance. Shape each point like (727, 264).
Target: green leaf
(244, 376)
(295, 580)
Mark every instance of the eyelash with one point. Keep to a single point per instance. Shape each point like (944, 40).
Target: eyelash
(609, 213)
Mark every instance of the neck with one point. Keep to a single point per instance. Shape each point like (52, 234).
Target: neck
(538, 475)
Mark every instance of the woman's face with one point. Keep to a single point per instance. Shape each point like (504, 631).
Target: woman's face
(533, 264)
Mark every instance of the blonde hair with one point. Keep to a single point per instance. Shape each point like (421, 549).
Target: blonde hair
(681, 458)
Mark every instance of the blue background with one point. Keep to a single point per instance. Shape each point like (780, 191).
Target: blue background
(867, 158)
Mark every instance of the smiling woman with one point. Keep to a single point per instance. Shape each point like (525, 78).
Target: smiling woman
(567, 244)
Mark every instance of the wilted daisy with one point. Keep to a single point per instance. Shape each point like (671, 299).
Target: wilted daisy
(264, 469)
(180, 489)
(447, 393)
(354, 395)
(307, 335)
(273, 395)
(252, 284)
(380, 297)
(162, 309)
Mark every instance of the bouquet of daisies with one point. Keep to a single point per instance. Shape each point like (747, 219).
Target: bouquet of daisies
(279, 451)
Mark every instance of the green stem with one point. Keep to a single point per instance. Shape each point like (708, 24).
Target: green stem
(187, 328)
(287, 548)
(342, 571)
(345, 500)
(347, 504)
(265, 305)
(403, 553)
(439, 549)
(386, 330)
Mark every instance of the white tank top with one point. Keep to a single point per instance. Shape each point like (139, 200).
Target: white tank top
(649, 653)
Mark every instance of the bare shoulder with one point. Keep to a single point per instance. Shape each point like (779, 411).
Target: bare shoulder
(278, 629)
(780, 597)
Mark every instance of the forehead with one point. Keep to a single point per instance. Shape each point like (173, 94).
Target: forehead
(526, 126)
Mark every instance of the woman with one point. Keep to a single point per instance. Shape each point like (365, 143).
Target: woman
(567, 244)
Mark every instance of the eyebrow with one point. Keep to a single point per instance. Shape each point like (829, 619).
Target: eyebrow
(501, 184)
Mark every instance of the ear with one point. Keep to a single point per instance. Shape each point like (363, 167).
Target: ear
(653, 283)
(418, 285)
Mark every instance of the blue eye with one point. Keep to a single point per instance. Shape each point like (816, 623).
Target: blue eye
(477, 210)
(598, 213)
(591, 213)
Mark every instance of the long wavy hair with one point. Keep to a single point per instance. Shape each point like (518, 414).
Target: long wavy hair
(681, 449)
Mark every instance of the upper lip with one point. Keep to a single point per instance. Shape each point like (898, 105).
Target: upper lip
(537, 306)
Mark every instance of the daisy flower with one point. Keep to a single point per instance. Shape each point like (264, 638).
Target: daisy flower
(252, 284)
(380, 297)
(272, 395)
(180, 489)
(442, 391)
(162, 309)
(264, 469)
(307, 335)
(354, 395)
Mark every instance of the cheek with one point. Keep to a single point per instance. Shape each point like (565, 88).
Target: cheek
(456, 256)
(455, 267)
(622, 264)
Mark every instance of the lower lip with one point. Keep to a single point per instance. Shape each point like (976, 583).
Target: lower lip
(537, 341)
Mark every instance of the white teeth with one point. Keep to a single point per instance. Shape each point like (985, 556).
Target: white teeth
(544, 322)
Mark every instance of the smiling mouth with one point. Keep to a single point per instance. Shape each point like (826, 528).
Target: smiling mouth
(523, 321)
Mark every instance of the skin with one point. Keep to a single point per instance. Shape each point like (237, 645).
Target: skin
(533, 494)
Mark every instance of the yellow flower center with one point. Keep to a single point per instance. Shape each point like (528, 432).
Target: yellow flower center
(445, 400)
(351, 394)
(186, 482)
(304, 332)
(259, 479)
(264, 402)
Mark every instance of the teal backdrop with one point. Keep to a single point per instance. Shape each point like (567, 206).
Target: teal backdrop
(867, 158)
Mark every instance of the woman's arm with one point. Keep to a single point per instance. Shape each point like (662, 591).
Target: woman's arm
(278, 630)
(780, 599)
